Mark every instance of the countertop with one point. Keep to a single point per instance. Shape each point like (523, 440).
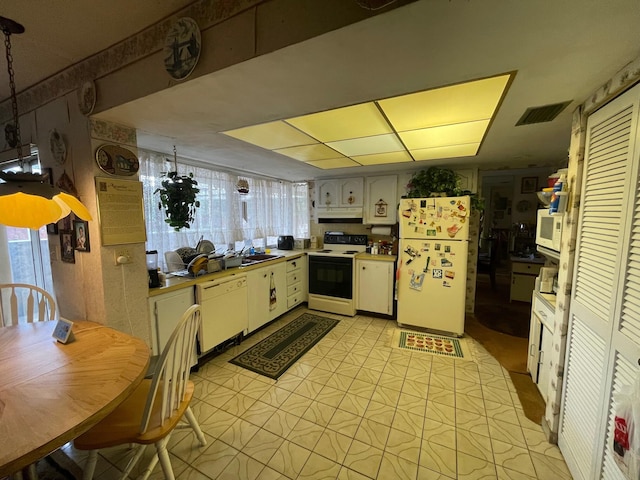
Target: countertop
(177, 283)
(538, 260)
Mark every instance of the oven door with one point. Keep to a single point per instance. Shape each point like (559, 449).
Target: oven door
(331, 276)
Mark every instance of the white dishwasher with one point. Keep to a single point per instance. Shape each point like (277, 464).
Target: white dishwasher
(224, 309)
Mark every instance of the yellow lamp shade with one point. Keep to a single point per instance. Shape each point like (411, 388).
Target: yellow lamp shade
(26, 203)
(28, 211)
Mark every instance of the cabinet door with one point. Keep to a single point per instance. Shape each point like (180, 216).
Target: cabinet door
(522, 287)
(277, 290)
(381, 198)
(165, 311)
(351, 192)
(258, 286)
(328, 193)
(546, 344)
(535, 330)
(375, 282)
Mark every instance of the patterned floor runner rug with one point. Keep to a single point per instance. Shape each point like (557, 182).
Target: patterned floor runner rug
(433, 344)
(276, 353)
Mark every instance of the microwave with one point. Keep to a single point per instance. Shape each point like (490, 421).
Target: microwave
(549, 229)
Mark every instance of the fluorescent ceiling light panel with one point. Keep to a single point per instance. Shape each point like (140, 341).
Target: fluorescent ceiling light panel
(460, 133)
(467, 150)
(368, 145)
(465, 102)
(306, 153)
(362, 120)
(334, 163)
(382, 158)
(271, 135)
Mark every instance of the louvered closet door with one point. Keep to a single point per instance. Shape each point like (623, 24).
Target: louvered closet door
(606, 215)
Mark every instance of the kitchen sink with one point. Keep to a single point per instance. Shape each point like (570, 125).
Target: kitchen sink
(258, 258)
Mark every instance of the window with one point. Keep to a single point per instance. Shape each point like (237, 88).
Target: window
(23, 251)
(227, 218)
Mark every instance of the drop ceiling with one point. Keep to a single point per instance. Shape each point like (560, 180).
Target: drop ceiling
(559, 51)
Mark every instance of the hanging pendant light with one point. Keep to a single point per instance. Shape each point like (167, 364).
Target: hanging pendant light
(26, 199)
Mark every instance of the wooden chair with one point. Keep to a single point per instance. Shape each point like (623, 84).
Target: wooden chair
(155, 408)
(21, 302)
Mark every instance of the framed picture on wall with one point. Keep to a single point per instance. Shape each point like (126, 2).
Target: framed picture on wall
(66, 246)
(529, 185)
(81, 235)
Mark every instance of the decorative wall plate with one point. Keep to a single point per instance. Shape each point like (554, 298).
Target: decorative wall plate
(57, 147)
(87, 97)
(117, 160)
(182, 48)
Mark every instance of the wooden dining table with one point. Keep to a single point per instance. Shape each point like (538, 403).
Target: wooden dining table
(52, 392)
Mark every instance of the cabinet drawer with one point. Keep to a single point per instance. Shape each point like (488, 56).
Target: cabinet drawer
(293, 289)
(293, 265)
(543, 311)
(527, 268)
(293, 300)
(294, 277)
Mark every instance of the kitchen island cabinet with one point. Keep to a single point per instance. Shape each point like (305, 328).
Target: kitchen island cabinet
(540, 338)
(523, 277)
(374, 277)
(267, 294)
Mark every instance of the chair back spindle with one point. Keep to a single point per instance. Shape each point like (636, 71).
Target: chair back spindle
(37, 304)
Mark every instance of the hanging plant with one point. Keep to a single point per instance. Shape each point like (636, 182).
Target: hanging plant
(438, 182)
(178, 197)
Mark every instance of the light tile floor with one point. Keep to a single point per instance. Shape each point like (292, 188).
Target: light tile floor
(354, 408)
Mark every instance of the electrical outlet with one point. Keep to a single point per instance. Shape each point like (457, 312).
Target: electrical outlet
(122, 256)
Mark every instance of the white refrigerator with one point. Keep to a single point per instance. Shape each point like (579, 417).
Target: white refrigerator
(431, 274)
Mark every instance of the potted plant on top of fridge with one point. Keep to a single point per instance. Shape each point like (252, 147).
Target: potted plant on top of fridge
(440, 182)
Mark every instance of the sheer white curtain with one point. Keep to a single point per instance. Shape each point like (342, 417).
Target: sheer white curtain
(219, 217)
(271, 208)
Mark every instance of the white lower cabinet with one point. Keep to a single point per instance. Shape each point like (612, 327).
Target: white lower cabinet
(267, 294)
(296, 281)
(165, 311)
(540, 341)
(375, 286)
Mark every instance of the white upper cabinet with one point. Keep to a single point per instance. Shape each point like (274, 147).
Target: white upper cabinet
(340, 192)
(381, 200)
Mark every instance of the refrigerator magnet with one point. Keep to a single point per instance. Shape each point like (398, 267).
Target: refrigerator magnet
(431, 232)
(436, 273)
(416, 282)
(446, 284)
(450, 274)
(447, 248)
(437, 247)
(445, 263)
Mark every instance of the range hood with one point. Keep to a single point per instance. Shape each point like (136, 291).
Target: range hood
(339, 214)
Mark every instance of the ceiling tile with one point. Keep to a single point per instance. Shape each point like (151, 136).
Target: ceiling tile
(368, 145)
(464, 102)
(467, 150)
(382, 158)
(460, 133)
(364, 120)
(271, 135)
(334, 163)
(306, 153)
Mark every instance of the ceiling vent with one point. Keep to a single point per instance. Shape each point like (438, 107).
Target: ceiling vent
(542, 114)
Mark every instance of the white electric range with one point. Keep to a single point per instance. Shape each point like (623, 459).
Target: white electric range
(332, 273)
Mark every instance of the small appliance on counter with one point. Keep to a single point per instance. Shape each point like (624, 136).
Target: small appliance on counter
(152, 268)
(286, 242)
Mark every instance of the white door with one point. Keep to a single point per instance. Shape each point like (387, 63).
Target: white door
(432, 284)
(604, 328)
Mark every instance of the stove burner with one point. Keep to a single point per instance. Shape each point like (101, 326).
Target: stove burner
(350, 252)
(324, 251)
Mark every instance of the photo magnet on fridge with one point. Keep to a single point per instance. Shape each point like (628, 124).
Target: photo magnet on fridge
(437, 273)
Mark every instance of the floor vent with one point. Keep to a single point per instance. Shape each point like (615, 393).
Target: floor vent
(542, 114)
